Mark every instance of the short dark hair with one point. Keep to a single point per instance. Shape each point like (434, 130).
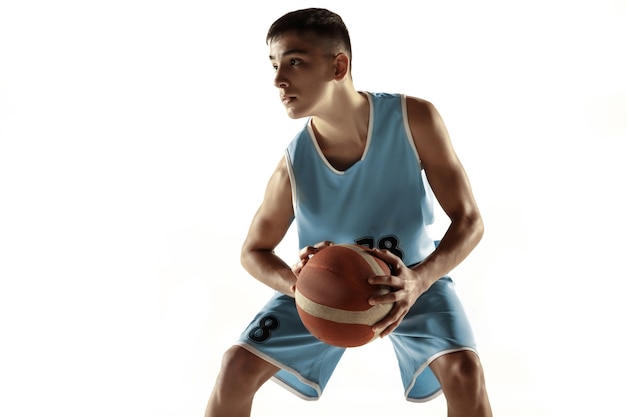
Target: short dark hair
(322, 23)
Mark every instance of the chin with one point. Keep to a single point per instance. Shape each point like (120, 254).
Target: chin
(296, 114)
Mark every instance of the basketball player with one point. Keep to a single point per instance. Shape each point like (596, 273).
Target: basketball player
(356, 173)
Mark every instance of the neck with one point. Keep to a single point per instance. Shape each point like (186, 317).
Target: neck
(346, 119)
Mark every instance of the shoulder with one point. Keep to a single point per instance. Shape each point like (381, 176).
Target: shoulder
(424, 119)
(421, 112)
(383, 98)
(429, 132)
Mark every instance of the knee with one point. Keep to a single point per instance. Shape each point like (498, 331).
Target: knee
(233, 360)
(235, 363)
(465, 371)
(241, 368)
(463, 383)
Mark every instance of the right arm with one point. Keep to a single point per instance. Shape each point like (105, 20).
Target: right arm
(269, 226)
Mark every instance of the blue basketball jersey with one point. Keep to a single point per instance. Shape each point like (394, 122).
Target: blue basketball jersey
(382, 201)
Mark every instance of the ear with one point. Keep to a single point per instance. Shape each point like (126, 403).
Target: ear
(342, 66)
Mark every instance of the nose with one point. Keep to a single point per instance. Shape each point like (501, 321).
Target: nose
(279, 79)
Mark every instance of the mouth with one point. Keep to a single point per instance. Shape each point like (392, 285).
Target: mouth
(287, 99)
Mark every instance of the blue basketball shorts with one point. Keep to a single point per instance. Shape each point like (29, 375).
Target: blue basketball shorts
(435, 325)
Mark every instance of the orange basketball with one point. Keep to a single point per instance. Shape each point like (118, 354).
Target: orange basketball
(332, 292)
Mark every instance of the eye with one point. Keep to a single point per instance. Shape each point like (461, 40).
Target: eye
(295, 62)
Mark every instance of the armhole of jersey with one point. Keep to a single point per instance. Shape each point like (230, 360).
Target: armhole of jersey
(429, 196)
(407, 129)
(370, 125)
(292, 178)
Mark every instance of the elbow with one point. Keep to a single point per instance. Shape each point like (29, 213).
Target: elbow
(478, 226)
(242, 259)
(251, 255)
(471, 225)
(245, 255)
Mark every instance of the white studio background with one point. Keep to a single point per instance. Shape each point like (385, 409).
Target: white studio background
(136, 139)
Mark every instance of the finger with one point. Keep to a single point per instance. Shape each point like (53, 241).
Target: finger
(389, 329)
(393, 261)
(387, 325)
(385, 255)
(387, 280)
(297, 267)
(388, 298)
(323, 244)
(387, 287)
(306, 252)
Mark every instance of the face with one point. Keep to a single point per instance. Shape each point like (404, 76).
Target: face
(304, 74)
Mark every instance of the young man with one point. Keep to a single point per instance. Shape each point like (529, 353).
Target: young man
(354, 175)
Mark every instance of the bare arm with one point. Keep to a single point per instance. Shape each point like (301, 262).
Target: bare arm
(269, 226)
(451, 186)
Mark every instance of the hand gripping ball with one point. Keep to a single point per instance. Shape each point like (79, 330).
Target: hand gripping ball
(332, 295)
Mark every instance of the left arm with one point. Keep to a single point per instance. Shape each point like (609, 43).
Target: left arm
(451, 186)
